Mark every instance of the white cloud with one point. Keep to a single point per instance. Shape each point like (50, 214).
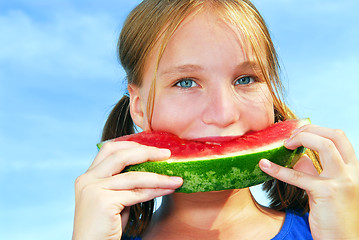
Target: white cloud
(70, 44)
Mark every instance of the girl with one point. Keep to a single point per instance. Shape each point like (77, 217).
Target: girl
(199, 68)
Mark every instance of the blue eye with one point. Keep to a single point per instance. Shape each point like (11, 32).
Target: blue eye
(244, 80)
(186, 83)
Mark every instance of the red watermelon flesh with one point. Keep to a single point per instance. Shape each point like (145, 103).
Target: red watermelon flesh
(215, 146)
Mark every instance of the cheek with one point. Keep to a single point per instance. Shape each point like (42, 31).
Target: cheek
(268, 105)
(171, 115)
(259, 112)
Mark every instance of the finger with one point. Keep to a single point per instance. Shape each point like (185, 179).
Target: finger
(305, 164)
(109, 148)
(138, 180)
(291, 176)
(116, 162)
(330, 157)
(337, 136)
(131, 197)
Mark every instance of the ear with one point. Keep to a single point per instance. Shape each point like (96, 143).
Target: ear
(136, 106)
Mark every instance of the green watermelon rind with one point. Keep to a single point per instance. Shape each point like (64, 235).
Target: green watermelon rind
(217, 174)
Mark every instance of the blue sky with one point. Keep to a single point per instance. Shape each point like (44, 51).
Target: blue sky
(59, 78)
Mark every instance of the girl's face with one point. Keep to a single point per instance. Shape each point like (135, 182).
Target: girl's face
(206, 85)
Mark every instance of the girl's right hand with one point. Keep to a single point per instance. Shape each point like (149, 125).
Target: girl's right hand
(103, 194)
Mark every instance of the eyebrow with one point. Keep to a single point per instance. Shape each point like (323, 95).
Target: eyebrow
(188, 68)
(248, 64)
(183, 69)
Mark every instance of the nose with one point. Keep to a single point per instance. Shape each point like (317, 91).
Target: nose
(222, 108)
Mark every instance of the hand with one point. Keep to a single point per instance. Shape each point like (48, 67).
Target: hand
(334, 193)
(103, 193)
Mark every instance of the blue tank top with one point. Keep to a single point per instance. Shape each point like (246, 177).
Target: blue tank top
(295, 227)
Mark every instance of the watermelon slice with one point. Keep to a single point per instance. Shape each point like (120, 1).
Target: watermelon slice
(219, 163)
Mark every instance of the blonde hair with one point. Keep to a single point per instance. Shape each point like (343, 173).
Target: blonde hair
(154, 22)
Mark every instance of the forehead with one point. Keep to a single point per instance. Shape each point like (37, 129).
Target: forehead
(201, 36)
(205, 26)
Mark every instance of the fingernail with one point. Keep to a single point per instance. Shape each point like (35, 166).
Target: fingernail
(176, 179)
(265, 164)
(165, 151)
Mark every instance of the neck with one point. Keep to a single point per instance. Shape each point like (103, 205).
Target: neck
(214, 215)
(210, 210)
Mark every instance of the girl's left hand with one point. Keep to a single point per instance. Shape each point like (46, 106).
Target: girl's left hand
(334, 193)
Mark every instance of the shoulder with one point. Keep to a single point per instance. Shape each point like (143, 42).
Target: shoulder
(295, 226)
